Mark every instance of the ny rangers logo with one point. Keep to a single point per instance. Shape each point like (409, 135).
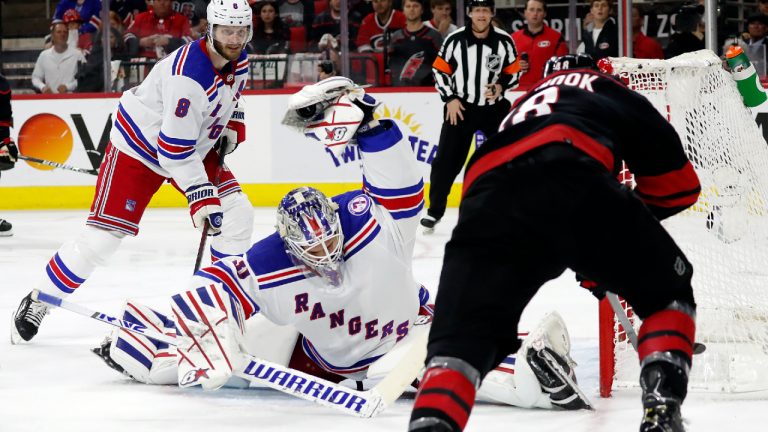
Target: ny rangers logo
(493, 63)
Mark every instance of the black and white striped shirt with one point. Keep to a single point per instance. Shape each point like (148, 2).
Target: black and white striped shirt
(466, 64)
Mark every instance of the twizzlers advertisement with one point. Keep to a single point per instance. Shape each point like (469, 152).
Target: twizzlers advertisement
(76, 132)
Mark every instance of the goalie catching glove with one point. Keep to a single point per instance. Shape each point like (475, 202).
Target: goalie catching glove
(204, 203)
(332, 111)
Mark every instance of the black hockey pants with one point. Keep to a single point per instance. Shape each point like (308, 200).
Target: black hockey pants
(522, 224)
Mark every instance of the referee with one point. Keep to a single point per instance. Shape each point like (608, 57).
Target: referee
(475, 66)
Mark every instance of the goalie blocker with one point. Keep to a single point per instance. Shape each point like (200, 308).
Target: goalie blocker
(547, 185)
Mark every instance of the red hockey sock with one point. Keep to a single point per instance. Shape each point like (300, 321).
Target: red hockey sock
(445, 394)
(667, 330)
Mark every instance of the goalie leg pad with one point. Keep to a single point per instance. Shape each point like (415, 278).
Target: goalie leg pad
(236, 230)
(77, 259)
(547, 352)
(513, 383)
(143, 359)
(210, 348)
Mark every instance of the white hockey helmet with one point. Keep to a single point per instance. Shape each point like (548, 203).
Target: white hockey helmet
(229, 13)
(310, 228)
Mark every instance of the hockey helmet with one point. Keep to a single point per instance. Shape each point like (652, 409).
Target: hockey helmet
(310, 228)
(478, 3)
(229, 13)
(569, 61)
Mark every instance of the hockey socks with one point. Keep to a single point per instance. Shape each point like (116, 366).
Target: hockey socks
(77, 259)
(446, 396)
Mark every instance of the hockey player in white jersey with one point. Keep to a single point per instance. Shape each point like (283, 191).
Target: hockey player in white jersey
(165, 129)
(337, 274)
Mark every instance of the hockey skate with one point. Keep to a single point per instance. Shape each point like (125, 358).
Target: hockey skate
(429, 222)
(661, 409)
(547, 352)
(27, 319)
(6, 229)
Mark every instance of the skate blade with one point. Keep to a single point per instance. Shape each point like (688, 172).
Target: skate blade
(428, 231)
(16, 338)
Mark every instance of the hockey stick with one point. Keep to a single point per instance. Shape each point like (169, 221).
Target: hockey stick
(98, 316)
(621, 315)
(58, 165)
(207, 224)
(629, 330)
(287, 380)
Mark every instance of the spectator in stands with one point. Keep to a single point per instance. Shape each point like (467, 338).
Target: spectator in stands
(75, 39)
(297, 13)
(194, 10)
(757, 25)
(157, 32)
(441, 17)
(536, 42)
(642, 45)
(413, 49)
(127, 10)
(762, 7)
(375, 31)
(56, 66)
(88, 10)
(116, 22)
(603, 39)
(325, 69)
(198, 27)
(90, 75)
(328, 22)
(270, 34)
(689, 30)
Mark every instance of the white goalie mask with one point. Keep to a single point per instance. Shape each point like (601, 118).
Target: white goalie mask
(226, 19)
(309, 225)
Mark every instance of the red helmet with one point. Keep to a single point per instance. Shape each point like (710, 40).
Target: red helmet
(71, 15)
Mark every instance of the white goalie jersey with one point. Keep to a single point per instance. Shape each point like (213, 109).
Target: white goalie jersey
(345, 327)
(174, 117)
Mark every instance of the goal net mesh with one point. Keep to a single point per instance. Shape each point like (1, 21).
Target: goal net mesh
(725, 234)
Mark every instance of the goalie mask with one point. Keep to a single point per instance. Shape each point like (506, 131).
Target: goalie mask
(230, 27)
(311, 231)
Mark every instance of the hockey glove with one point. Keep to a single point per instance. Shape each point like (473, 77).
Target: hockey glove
(234, 133)
(203, 200)
(9, 154)
(592, 286)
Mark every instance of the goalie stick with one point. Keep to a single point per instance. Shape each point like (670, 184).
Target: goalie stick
(59, 165)
(364, 404)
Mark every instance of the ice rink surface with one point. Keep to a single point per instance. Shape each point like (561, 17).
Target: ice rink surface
(56, 384)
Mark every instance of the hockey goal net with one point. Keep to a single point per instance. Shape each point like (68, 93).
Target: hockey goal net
(725, 235)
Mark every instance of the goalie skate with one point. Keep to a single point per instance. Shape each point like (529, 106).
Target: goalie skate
(547, 352)
(102, 351)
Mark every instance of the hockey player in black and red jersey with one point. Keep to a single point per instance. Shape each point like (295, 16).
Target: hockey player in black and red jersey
(8, 152)
(542, 196)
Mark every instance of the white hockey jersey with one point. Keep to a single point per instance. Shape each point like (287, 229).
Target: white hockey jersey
(348, 327)
(174, 117)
